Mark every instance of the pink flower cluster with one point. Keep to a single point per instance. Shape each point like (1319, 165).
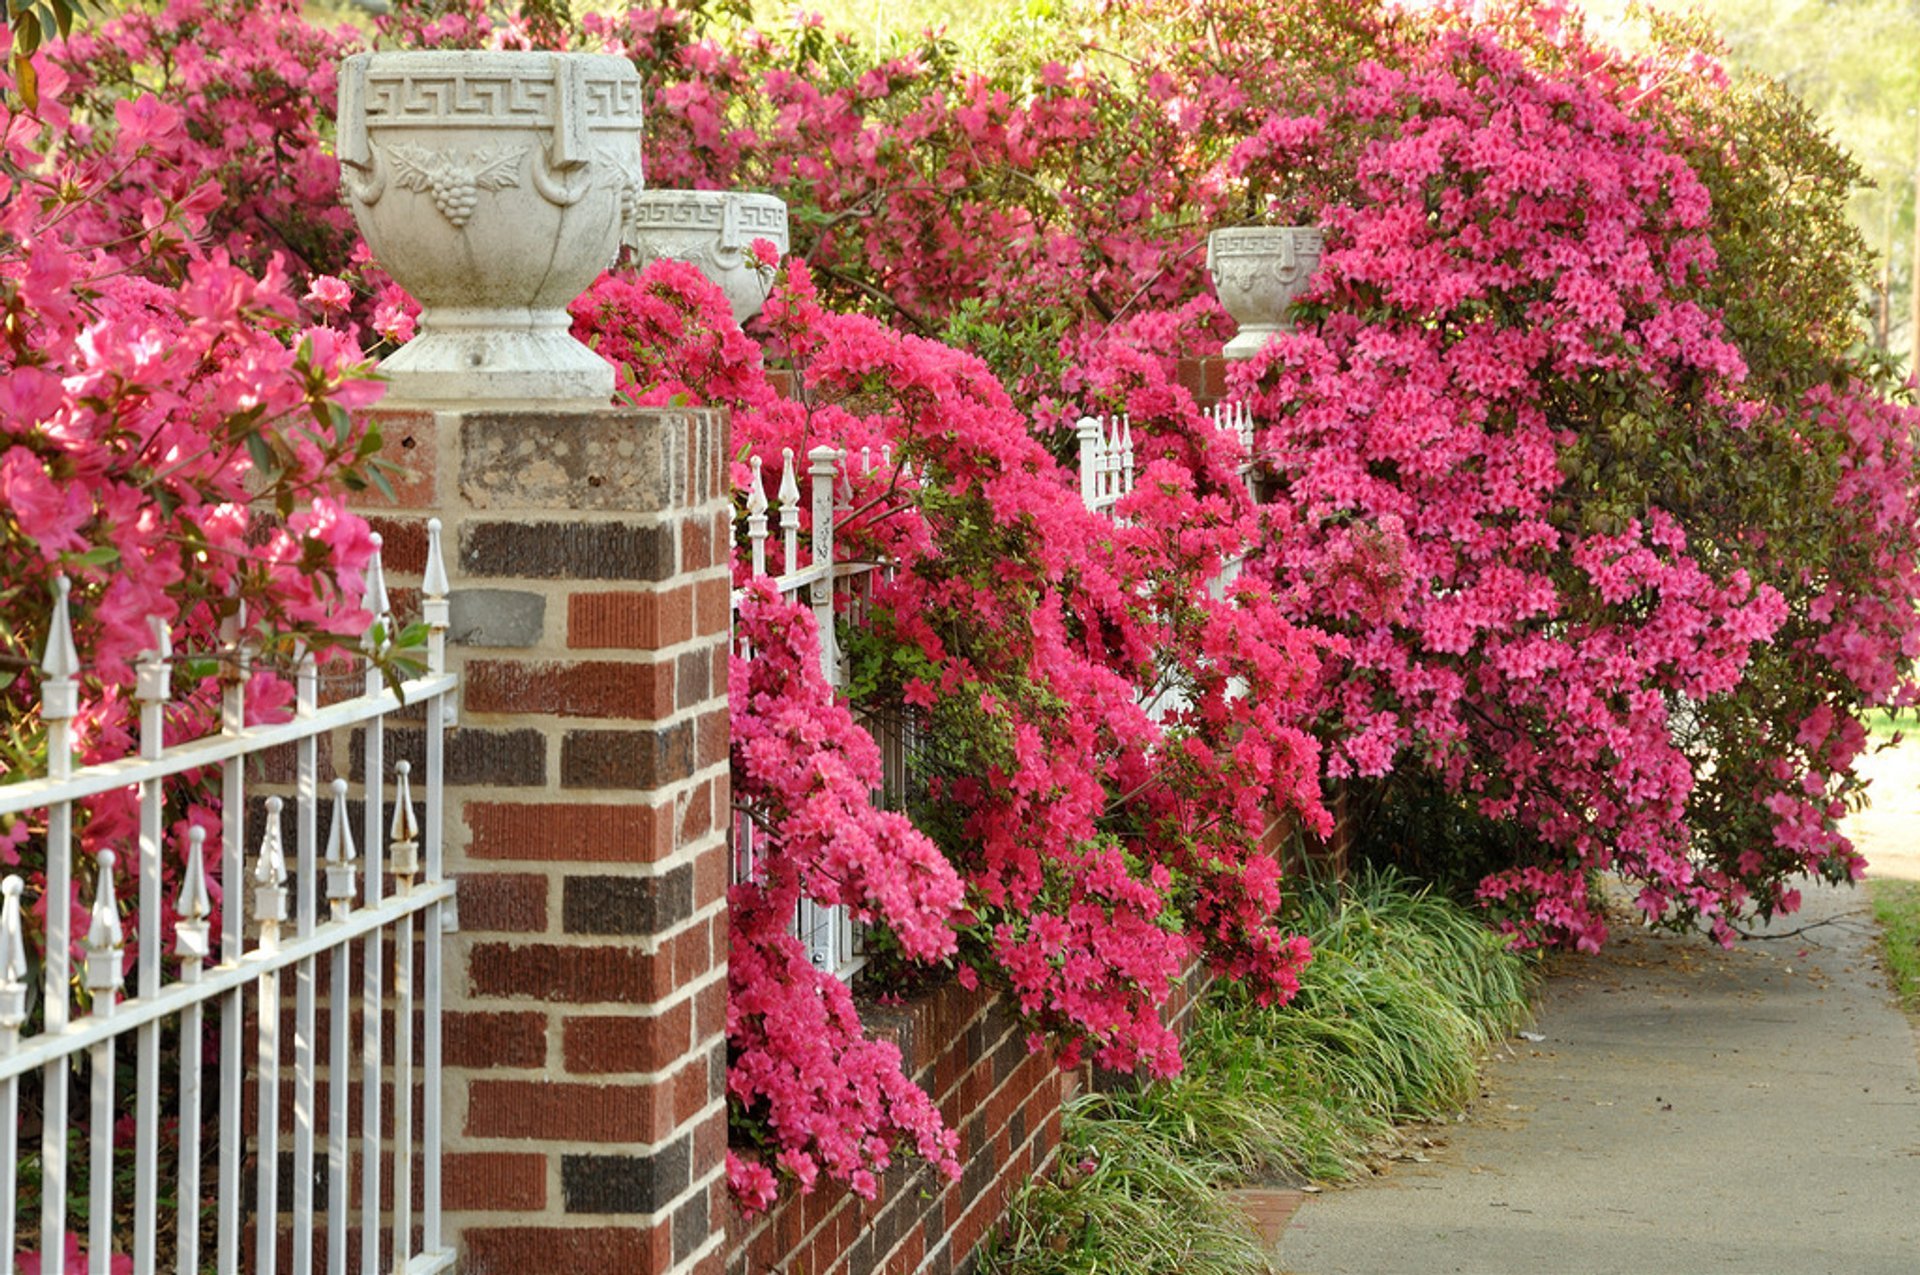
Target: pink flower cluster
(176, 441)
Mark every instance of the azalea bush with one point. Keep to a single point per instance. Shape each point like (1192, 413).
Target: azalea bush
(181, 434)
(1622, 593)
(1067, 844)
(1588, 537)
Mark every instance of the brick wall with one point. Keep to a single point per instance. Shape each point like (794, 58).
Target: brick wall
(970, 1053)
(587, 799)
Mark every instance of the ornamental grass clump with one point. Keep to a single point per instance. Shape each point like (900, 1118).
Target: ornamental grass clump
(1406, 993)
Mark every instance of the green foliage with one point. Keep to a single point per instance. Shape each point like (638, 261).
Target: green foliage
(1896, 905)
(1405, 993)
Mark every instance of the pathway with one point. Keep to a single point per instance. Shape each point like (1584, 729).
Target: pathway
(1688, 1110)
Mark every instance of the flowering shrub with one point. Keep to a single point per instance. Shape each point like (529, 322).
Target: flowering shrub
(176, 446)
(1543, 453)
(1515, 406)
(1083, 851)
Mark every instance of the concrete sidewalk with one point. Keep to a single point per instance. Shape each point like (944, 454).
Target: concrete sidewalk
(1687, 1110)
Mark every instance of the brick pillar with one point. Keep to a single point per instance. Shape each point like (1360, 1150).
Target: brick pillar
(586, 818)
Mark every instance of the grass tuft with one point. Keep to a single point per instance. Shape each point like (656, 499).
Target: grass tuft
(1896, 905)
(1405, 993)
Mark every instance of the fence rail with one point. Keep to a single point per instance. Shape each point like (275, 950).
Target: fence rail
(213, 975)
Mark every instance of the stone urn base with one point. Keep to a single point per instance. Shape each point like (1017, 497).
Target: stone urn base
(506, 358)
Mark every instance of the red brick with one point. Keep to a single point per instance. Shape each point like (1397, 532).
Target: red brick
(710, 1010)
(631, 621)
(403, 543)
(598, 1250)
(410, 442)
(710, 1143)
(1213, 387)
(712, 872)
(651, 1042)
(690, 1085)
(493, 1040)
(692, 953)
(569, 832)
(560, 1110)
(570, 975)
(714, 739)
(696, 544)
(713, 605)
(1192, 377)
(494, 1181)
(503, 902)
(696, 814)
(588, 688)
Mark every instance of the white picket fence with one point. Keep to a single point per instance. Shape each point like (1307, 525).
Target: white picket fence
(1107, 461)
(195, 983)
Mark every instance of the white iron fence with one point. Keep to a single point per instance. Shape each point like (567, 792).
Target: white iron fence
(206, 992)
(833, 588)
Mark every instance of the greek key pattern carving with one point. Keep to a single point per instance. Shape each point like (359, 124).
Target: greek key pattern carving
(614, 101)
(458, 99)
(757, 220)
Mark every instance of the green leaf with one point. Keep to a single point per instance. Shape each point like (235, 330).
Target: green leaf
(261, 453)
(379, 480)
(98, 556)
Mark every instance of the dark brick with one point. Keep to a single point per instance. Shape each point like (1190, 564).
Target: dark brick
(629, 759)
(569, 550)
(626, 1183)
(1010, 1054)
(570, 975)
(627, 905)
(1017, 1127)
(474, 755)
(502, 902)
(690, 1226)
(403, 543)
(696, 677)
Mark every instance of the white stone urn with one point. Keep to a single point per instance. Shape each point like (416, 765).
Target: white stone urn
(492, 186)
(1257, 272)
(712, 230)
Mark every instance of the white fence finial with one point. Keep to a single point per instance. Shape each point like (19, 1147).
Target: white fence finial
(341, 853)
(404, 835)
(270, 874)
(789, 495)
(373, 598)
(757, 518)
(60, 698)
(433, 583)
(154, 678)
(194, 904)
(13, 959)
(436, 607)
(105, 937)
